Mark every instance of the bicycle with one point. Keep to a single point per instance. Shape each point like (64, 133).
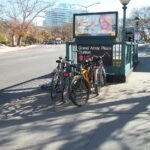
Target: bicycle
(92, 75)
(56, 83)
(61, 79)
(67, 73)
(100, 65)
(79, 87)
(100, 73)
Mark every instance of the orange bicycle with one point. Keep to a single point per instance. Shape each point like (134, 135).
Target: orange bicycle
(92, 76)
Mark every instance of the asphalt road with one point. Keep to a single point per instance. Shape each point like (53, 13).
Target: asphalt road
(22, 65)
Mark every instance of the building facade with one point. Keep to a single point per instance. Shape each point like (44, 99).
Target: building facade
(61, 14)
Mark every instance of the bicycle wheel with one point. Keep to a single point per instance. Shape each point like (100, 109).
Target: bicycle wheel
(65, 87)
(56, 87)
(103, 80)
(103, 77)
(79, 91)
(97, 83)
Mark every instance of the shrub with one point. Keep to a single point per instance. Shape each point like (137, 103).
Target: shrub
(3, 39)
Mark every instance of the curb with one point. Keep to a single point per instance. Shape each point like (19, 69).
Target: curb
(5, 49)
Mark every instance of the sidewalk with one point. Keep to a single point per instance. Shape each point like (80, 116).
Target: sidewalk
(5, 49)
(118, 119)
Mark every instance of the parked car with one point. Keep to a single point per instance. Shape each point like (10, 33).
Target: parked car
(53, 41)
(59, 40)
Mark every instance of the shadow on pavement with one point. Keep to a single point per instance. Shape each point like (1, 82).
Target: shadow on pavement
(25, 98)
(89, 131)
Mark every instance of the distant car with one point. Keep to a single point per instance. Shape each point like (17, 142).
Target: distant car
(55, 41)
(59, 41)
(51, 42)
(141, 42)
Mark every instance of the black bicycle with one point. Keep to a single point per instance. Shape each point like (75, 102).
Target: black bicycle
(100, 69)
(61, 79)
(56, 84)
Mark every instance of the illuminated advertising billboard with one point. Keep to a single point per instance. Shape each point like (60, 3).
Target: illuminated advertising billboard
(95, 24)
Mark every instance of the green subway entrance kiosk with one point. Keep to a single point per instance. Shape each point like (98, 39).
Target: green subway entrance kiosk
(96, 34)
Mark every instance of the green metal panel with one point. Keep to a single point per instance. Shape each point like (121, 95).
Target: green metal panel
(122, 61)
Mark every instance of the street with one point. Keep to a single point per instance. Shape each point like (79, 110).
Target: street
(117, 119)
(23, 65)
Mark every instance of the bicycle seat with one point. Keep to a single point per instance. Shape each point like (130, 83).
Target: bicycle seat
(86, 63)
(58, 61)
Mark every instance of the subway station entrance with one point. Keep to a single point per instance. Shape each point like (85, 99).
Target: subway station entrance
(96, 34)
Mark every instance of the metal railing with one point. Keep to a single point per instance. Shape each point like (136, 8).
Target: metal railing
(122, 61)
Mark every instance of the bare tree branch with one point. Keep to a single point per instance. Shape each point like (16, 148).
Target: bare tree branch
(144, 20)
(22, 13)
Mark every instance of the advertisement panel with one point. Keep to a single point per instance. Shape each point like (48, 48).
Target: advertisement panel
(95, 24)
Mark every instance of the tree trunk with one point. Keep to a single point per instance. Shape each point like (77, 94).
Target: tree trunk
(13, 40)
(19, 40)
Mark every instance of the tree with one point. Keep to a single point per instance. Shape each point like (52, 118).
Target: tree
(12, 30)
(3, 38)
(21, 14)
(143, 14)
(1, 11)
(67, 31)
(44, 35)
(3, 23)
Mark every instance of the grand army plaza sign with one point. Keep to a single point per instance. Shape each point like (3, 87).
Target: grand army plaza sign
(86, 51)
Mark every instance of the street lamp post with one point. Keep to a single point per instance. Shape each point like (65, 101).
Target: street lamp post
(137, 19)
(124, 3)
(86, 7)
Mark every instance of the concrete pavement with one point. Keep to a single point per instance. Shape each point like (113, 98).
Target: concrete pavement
(118, 119)
(6, 49)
